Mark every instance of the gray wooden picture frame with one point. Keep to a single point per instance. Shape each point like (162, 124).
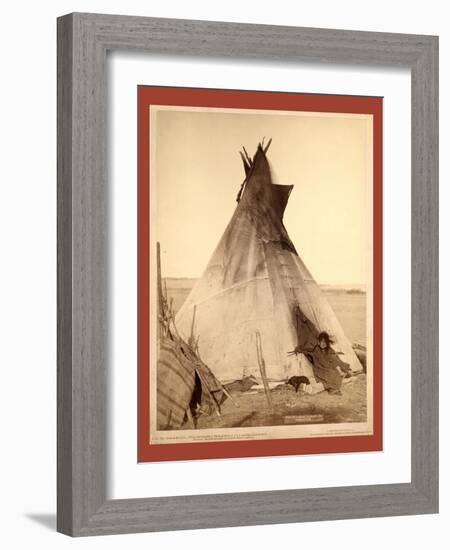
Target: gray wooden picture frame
(83, 41)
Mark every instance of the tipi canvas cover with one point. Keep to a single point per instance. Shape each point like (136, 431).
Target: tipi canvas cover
(255, 282)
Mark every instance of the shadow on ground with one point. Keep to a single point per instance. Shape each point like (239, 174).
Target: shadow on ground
(46, 520)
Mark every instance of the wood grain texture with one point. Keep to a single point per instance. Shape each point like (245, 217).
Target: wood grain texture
(83, 40)
(64, 298)
(425, 275)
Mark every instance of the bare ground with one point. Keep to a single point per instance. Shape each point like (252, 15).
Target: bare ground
(291, 407)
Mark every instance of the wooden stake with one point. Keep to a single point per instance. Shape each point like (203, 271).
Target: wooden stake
(208, 391)
(262, 370)
(191, 340)
(160, 296)
(228, 394)
(191, 418)
(158, 268)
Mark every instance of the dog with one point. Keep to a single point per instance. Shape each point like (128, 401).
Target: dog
(297, 381)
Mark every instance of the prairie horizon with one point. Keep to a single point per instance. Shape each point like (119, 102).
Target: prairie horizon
(347, 301)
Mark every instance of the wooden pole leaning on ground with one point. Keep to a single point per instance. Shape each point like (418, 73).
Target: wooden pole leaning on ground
(192, 341)
(208, 392)
(228, 394)
(158, 271)
(160, 294)
(191, 418)
(262, 370)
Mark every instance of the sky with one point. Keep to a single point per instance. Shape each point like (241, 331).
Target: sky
(196, 173)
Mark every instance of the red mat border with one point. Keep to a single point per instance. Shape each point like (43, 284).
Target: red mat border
(200, 97)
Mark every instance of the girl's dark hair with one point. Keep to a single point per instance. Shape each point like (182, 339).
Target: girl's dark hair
(325, 336)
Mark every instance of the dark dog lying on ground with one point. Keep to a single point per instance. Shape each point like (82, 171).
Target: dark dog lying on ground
(297, 381)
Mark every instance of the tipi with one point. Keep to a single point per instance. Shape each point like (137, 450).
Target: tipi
(254, 282)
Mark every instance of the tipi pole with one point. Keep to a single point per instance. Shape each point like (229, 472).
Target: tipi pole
(262, 370)
(208, 391)
(247, 156)
(190, 418)
(160, 328)
(267, 146)
(158, 267)
(191, 340)
(228, 394)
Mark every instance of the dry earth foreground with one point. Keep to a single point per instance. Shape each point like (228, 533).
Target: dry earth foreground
(291, 407)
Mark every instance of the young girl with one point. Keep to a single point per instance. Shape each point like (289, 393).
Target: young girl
(326, 364)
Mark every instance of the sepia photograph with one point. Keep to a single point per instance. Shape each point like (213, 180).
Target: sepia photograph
(261, 270)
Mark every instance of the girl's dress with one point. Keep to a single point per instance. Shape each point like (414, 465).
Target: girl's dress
(325, 363)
